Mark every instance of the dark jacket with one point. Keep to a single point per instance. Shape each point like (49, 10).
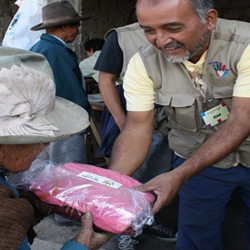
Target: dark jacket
(67, 74)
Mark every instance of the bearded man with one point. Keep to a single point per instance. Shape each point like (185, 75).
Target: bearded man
(198, 67)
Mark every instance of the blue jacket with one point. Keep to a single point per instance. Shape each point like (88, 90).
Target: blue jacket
(69, 245)
(67, 74)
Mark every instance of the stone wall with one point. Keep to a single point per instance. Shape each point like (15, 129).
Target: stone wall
(234, 9)
(7, 11)
(106, 14)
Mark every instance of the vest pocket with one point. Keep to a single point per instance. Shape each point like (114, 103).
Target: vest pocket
(183, 113)
(221, 92)
(224, 93)
(184, 144)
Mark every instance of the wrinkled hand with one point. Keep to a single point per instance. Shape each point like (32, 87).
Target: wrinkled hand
(88, 237)
(165, 186)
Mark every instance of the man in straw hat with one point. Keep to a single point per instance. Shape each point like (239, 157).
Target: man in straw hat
(31, 117)
(62, 22)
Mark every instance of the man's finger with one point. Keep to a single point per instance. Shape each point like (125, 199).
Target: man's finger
(144, 187)
(157, 205)
(161, 202)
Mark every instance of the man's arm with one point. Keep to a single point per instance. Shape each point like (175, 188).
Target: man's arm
(132, 145)
(109, 64)
(111, 97)
(235, 130)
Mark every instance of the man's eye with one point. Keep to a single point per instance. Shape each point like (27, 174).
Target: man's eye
(174, 29)
(148, 31)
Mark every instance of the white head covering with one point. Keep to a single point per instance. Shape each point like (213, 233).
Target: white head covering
(30, 112)
(26, 95)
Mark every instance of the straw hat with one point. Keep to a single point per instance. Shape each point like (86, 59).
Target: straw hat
(30, 112)
(58, 13)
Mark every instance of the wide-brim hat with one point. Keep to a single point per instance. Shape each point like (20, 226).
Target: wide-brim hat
(69, 118)
(30, 111)
(57, 14)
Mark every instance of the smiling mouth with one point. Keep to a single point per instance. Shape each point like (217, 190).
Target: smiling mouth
(171, 50)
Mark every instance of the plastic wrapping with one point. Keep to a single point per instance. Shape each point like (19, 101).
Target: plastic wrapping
(18, 34)
(115, 207)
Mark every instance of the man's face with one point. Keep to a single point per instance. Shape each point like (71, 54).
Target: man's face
(174, 28)
(18, 158)
(71, 31)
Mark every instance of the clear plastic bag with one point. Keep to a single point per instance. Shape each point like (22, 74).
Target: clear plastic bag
(18, 34)
(115, 207)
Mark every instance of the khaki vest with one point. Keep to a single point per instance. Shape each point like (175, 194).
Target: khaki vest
(130, 39)
(176, 91)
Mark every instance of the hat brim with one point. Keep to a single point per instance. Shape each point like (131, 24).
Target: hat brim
(74, 20)
(68, 117)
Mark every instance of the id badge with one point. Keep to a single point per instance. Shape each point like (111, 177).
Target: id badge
(215, 115)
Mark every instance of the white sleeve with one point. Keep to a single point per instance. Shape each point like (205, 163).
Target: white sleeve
(138, 87)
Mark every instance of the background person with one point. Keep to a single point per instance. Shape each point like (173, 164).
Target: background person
(93, 49)
(121, 44)
(62, 26)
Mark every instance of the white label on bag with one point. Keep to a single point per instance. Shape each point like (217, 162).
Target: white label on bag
(100, 179)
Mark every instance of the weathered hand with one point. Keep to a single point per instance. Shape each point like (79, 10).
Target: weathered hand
(165, 186)
(88, 237)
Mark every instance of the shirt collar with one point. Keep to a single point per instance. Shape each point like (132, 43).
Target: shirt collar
(196, 66)
(59, 39)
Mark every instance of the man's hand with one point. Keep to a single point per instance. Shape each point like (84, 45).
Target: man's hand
(88, 237)
(165, 186)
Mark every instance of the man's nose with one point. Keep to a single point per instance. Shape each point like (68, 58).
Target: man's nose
(163, 39)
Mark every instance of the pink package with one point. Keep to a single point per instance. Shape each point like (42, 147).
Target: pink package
(105, 193)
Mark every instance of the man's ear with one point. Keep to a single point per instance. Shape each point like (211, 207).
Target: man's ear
(211, 19)
(64, 27)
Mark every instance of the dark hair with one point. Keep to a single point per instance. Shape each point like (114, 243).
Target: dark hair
(201, 7)
(95, 44)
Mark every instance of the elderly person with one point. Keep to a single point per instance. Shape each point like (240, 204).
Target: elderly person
(31, 117)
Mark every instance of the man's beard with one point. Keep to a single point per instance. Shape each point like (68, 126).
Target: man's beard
(189, 54)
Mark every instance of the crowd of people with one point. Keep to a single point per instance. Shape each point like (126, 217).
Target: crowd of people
(176, 82)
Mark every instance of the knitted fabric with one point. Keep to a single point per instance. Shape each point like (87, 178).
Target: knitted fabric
(16, 217)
